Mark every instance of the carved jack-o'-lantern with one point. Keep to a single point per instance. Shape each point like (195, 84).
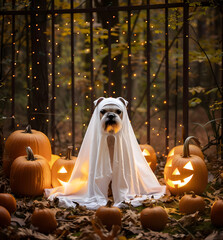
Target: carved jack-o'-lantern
(62, 168)
(149, 154)
(185, 173)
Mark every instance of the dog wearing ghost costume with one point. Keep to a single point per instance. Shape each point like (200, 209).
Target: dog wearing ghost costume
(109, 156)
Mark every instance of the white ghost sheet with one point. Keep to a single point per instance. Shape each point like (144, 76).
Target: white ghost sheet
(132, 179)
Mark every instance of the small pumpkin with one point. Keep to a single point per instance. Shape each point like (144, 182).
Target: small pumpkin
(154, 218)
(62, 168)
(5, 218)
(186, 172)
(194, 149)
(109, 216)
(44, 220)
(150, 155)
(191, 203)
(8, 201)
(217, 213)
(30, 174)
(17, 142)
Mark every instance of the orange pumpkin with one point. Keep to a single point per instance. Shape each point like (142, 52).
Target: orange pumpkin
(8, 201)
(44, 220)
(185, 173)
(217, 213)
(191, 203)
(150, 155)
(194, 149)
(30, 174)
(62, 168)
(17, 142)
(109, 216)
(5, 218)
(154, 218)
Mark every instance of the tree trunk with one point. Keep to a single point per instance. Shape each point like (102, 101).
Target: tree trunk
(116, 76)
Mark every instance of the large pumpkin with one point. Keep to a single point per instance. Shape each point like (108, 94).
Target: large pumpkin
(62, 168)
(194, 149)
(149, 154)
(185, 173)
(30, 174)
(17, 142)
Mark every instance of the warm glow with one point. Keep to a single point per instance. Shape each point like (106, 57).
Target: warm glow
(62, 170)
(176, 172)
(78, 184)
(171, 153)
(145, 152)
(189, 166)
(169, 163)
(64, 184)
(179, 183)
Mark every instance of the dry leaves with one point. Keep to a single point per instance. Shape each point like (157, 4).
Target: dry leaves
(80, 223)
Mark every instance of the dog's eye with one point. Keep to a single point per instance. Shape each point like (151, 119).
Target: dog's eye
(118, 112)
(103, 111)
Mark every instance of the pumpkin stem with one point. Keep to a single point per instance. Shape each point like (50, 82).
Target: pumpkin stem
(186, 152)
(30, 155)
(193, 194)
(28, 129)
(109, 203)
(69, 152)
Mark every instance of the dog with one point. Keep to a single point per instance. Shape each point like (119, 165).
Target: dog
(111, 123)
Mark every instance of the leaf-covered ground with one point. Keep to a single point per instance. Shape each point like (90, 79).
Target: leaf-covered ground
(80, 223)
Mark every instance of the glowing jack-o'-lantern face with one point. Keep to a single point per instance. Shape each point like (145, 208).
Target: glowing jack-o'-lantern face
(185, 173)
(62, 169)
(149, 154)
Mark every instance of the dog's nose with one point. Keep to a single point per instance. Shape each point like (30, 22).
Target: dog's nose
(111, 116)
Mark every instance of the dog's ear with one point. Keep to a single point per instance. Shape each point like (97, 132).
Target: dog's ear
(96, 102)
(123, 101)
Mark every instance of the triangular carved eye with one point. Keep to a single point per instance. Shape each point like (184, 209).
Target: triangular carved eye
(188, 166)
(62, 170)
(176, 172)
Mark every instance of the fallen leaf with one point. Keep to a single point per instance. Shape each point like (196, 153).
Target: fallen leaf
(190, 219)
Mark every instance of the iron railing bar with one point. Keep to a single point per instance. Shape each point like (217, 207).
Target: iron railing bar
(176, 85)
(185, 66)
(166, 81)
(72, 77)
(27, 67)
(13, 71)
(221, 139)
(100, 9)
(53, 78)
(148, 50)
(92, 57)
(109, 57)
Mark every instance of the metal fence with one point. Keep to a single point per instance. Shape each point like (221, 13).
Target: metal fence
(41, 9)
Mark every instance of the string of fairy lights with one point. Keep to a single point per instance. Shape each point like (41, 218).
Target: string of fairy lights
(123, 34)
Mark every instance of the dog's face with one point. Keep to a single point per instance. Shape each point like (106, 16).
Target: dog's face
(111, 118)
